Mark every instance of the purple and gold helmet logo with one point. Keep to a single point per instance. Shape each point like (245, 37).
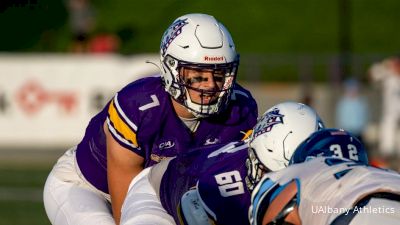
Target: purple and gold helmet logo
(171, 33)
(267, 122)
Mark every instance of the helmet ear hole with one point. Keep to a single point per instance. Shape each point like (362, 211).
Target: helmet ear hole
(171, 62)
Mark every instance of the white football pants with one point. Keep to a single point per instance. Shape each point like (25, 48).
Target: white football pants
(71, 200)
(142, 206)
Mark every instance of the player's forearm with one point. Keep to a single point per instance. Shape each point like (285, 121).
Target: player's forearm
(122, 166)
(117, 194)
(118, 182)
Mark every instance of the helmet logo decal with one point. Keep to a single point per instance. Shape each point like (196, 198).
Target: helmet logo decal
(172, 32)
(214, 58)
(268, 121)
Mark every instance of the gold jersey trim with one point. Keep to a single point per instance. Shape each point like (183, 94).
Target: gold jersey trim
(121, 129)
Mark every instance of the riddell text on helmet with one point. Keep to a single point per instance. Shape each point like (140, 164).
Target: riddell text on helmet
(214, 58)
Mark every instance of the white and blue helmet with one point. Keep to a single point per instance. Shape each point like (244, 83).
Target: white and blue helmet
(198, 41)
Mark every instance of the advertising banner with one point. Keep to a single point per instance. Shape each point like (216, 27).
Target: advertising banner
(47, 100)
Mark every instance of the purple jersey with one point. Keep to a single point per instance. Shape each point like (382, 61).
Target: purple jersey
(219, 173)
(141, 118)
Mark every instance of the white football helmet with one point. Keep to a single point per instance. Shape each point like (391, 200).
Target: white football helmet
(276, 136)
(198, 41)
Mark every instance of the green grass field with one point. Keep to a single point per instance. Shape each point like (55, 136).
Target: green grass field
(22, 213)
(21, 189)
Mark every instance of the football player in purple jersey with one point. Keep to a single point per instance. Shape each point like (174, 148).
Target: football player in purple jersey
(209, 183)
(195, 102)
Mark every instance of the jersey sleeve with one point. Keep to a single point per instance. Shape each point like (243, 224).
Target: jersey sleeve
(122, 128)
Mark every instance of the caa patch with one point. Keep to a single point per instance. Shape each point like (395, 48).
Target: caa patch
(166, 145)
(267, 122)
(171, 33)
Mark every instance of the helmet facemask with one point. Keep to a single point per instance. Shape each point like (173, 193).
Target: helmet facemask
(183, 87)
(255, 169)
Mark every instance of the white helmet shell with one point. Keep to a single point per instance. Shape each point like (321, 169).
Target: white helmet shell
(198, 38)
(197, 41)
(277, 134)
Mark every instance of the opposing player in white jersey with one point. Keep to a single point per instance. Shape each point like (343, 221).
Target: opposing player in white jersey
(328, 182)
(209, 182)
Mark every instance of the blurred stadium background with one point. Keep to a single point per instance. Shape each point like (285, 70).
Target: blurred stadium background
(50, 87)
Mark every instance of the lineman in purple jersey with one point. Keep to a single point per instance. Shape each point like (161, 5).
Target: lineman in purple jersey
(223, 189)
(184, 171)
(215, 177)
(195, 102)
